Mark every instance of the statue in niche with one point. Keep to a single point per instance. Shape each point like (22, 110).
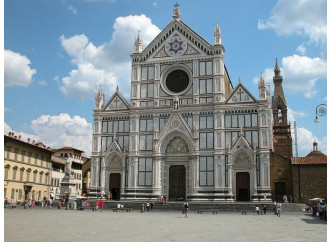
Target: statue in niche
(176, 103)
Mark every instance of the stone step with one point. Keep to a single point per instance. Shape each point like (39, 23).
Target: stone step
(248, 206)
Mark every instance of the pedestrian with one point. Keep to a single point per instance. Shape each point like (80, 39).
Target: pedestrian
(290, 199)
(185, 209)
(264, 208)
(96, 205)
(274, 208)
(101, 203)
(148, 206)
(33, 203)
(279, 209)
(257, 210)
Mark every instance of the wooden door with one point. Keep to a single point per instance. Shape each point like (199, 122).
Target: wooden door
(242, 186)
(114, 186)
(177, 182)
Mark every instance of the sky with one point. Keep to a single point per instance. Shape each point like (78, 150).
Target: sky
(58, 53)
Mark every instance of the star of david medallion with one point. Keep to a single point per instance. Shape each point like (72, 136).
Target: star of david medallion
(175, 46)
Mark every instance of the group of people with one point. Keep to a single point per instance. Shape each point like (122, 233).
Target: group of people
(99, 204)
(287, 199)
(262, 210)
(162, 200)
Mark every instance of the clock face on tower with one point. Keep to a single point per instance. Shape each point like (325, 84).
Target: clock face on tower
(175, 46)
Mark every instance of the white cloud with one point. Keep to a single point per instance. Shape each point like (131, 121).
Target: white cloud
(301, 17)
(300, 74)
(305, 142)
(72, 9)
(59, 131)
(301, 49)
(42, 83)
(107, 64)
(292, 115)
(17, 71)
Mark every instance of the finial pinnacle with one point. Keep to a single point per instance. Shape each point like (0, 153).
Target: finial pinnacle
(176, 11)
(277, 69)
(117, 89)
(239, 80)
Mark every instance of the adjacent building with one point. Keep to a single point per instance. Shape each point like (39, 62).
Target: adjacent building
(27, 169)
(86, 172)
(309, 175)
(187, 132)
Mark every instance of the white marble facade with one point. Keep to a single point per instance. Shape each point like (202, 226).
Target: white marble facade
(186, 133)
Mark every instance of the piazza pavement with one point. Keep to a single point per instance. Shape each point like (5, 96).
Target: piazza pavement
(44, 224)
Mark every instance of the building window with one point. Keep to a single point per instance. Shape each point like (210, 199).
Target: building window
(146, 124)
(205, 86)
(206, 140)
(147, 73)
(42, 160)
(35, 176)
(20, 194)
(28, 172)
(12, 193)
(8, 152)
(21, 173)
(258, 170)
(146, 142)
(145, 171)
(206, 122)
(115, 126)
(29, 157)
(15, 172)
(46, 178)
(205, 68)
(23, 155)
(6, 171)
(16, 154)
(241, 120)
(162, 122)
(36, 159)
(126, 172)
(147, 90)
(189, 120)
(226, 171)
(206, 171)
(40, 177)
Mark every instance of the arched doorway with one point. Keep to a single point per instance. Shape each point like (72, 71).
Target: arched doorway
(114, 185)
(177, 182)
(242, 186)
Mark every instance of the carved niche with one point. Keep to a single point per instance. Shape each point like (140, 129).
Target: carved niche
(177, 145)
(242, 158)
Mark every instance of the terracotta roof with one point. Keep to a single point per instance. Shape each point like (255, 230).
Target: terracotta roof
(68, 148)
(309, 160)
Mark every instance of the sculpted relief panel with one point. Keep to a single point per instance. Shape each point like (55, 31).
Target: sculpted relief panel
(177, 145)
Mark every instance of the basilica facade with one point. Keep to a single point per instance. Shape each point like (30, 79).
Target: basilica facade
(187, 133)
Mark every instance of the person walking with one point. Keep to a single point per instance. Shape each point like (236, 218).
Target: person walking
(101, 203)
(279, 209)
(185, 209)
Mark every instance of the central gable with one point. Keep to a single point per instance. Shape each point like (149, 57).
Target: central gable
(177, 39)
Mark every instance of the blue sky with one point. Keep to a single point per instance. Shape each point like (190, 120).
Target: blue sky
(57, 53)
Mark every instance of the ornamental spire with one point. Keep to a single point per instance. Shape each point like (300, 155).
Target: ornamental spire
(217, 35)
(138, 43)
(277, 70)
(176, 11)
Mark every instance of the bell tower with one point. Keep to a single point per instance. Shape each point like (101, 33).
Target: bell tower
(282, 140)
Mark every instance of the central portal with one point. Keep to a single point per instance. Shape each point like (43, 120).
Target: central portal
(243, 186)
(177, 183)
(114, 186)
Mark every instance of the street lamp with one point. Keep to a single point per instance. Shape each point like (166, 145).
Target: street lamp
(320, 110)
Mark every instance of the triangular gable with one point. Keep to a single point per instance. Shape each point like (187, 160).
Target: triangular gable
(114, 147)
(241, 95)
(116, 102)
(242, 143)
(176, 123)
(176, 39)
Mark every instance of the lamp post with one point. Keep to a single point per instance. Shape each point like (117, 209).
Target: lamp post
(320, 110)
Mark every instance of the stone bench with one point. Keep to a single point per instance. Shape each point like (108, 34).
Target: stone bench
(210, 210)
(121, 209)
